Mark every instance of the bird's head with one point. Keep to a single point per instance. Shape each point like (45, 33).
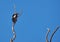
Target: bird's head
(14, 17)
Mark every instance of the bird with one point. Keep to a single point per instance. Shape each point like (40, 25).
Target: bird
(14, 17)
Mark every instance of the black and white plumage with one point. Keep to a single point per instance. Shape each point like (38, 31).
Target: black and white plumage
(14, 17)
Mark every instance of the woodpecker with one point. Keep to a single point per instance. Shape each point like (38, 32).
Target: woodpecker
(14, 17)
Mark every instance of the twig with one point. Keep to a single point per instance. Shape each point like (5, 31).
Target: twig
(14, 33)
(47, 35)
(54, 33)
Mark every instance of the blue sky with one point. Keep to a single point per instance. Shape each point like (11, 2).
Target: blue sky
(38, 15)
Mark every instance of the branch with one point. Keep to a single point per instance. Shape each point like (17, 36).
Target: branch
(11, 40)
(14, 33)
(54, 33)
(47, 35)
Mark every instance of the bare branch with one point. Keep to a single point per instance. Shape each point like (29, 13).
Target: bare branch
(14, 33)
(47, 35)
(54, 33)
(11, 40)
